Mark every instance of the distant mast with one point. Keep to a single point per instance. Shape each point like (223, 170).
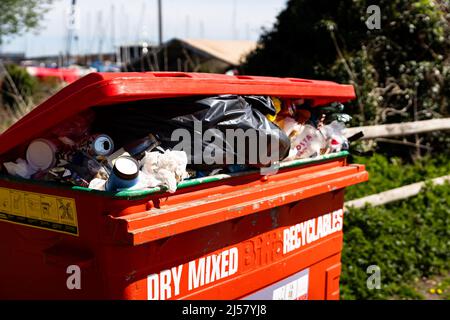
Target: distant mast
(113, 31)
(71, 25)
(160, 23)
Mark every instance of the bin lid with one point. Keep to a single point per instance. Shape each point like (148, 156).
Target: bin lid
(101, 89)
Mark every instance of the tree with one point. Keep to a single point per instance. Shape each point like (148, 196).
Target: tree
(17, 16)
(400, 72)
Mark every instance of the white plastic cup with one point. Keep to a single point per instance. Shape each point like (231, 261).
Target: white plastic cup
(41, 154)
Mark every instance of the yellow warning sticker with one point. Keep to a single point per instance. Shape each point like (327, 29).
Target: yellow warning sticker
(39, 210)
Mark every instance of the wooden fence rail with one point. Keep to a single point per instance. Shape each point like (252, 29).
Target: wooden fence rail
(400, 129)
(393, 194)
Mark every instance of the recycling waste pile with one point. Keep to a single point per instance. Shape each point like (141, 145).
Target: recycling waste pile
(127, 147)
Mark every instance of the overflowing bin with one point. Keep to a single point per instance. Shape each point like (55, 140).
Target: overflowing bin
(235, 235)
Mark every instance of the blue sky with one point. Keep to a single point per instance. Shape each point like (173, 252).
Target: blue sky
(136, 20)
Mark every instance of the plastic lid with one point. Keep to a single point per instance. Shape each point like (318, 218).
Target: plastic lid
(41, 154)
(126, 168)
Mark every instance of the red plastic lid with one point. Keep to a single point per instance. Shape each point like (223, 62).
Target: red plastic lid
(100, 89)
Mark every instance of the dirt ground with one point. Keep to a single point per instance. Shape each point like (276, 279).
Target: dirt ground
(434, 288)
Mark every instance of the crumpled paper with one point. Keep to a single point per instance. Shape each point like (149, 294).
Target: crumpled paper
(164, 169)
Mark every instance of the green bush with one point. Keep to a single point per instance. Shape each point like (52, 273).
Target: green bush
(407, 240)
(400, 72)
(386, 174)
(404, 63)
(17, 86)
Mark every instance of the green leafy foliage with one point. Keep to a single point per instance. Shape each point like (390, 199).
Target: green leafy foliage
(17, 16)
(407, 239)
(388, 173)
(400, 72)
(20, 93)
(17, 86)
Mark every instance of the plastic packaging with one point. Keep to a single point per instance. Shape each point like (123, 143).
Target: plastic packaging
(309, 143)
(19, 168)
(341, 117)
(334, 133)
(290, 127)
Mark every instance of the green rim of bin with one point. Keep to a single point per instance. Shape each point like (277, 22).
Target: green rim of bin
(139, 194)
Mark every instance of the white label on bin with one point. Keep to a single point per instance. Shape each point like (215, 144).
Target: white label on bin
(295, 290)
(294, 287)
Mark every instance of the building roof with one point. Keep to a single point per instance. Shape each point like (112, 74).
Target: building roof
(229, 51)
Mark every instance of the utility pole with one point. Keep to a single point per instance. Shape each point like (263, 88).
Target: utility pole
(160, 28)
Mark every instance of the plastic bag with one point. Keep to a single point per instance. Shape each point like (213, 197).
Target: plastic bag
(206, 122)
(334, 133)
(290, 126)
(19, 168)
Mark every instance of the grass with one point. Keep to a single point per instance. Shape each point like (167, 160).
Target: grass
(9, 116)
(20, 93)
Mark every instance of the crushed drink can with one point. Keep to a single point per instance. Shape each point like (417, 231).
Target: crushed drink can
(98, 145)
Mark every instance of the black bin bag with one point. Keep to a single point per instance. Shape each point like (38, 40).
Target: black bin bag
(213, 131)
